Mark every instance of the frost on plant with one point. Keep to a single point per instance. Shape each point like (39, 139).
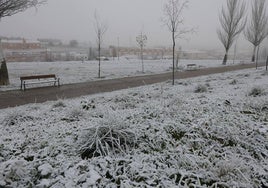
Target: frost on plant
(201, 89)
(13, 171)
(73, 115)
(59, 104)
(16, 117)
(233, 82)
(256, 91)
(110, 137)
(86, 105)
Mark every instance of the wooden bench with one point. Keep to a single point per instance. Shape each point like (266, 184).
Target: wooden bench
(48, 78)
(191, 66)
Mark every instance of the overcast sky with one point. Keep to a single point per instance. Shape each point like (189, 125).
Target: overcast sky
(73, 19)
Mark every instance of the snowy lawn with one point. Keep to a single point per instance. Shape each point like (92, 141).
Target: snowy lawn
(210, 131)
(76, 71)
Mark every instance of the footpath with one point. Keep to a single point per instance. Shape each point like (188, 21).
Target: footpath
(42, 94)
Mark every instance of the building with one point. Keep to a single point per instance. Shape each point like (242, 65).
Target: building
(20, 44)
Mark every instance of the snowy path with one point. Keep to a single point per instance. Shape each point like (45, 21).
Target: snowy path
(38, 95)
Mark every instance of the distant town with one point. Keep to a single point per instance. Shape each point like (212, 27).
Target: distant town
(28, 50)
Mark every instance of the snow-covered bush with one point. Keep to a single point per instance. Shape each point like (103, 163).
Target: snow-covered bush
(201, 89)
(86, 105)
(16, 117)
(105, 140)
(12, 172)
(256, 91)
(59, 104)
(73, 115)
(233, 82)
(111, 136)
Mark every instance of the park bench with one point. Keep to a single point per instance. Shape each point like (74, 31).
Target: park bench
(191, 66)
(38, 79)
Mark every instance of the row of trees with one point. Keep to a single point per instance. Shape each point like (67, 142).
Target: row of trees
(232, 19)
(233, 22)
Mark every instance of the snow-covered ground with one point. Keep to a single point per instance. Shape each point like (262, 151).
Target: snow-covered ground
(210, 131)
(76, 71)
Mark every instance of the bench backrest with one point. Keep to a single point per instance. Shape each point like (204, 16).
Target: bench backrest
(38, 77)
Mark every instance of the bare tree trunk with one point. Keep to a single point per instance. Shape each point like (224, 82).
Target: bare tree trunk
(173, 58)
(118, 48)
(253, 56)
(266, 63)
(257, 58)
(225, 58)
(4, 80)
(99, 48)
(142, 68)
(177, 61)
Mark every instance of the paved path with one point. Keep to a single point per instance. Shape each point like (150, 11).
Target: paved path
(39, 95)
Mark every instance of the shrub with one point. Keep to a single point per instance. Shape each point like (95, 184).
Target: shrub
(201, 89)
(59, 104)
(106, 139)
(15, 118)
(256, 91)
(86, 105)
(233, 82)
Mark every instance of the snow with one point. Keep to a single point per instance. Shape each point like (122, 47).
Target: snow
(78, 71)
(45, 170)
(216, 137)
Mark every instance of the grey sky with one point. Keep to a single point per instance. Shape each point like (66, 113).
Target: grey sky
(73, 19)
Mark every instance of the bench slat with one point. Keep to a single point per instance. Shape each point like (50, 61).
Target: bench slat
(191, 66)
(40, 82)
(48, 78)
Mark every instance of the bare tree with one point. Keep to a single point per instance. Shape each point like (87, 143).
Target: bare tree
(100, 29)
(173, 19)
(232, 23)
(141, 40)
(9, 8)
(257, 29)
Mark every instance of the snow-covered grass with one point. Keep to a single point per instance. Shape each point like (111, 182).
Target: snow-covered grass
(78, 71)
(177, 137)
